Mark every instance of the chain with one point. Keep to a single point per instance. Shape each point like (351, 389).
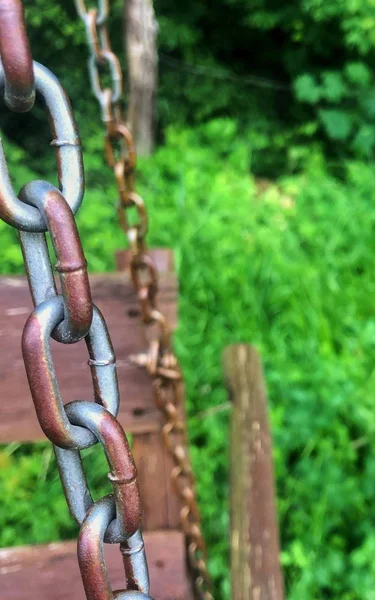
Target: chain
(159, 360)
(16, 57)
(69, 316)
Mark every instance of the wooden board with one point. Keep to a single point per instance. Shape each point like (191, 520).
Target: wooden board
(160, 503)
(114, 295)
(51, 572)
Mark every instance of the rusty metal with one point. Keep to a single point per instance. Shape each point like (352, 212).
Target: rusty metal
(69, 315)
(102, 12)
(68, 156)
(159, 360)
(145, 280)
(133, 555)
(44, 387)
(123, 474)
(92, 561)
(127, 156)
(111, 62)
(16, 57)
(136, 232)
(71, 262)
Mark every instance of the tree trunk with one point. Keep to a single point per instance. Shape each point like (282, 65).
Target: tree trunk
(140, 34)
(255, 566)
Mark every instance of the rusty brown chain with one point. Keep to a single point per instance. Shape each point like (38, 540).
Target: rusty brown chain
(69, 316)
(16, 58)
(159, 360)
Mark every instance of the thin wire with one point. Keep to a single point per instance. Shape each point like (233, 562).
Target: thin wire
(252, 80)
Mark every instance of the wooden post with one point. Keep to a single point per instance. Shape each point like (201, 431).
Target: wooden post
(141, 50)
(255, 566)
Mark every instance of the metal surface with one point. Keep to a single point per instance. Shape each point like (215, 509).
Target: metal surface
(111, 61)
(133, 553)
(159, 359)
(91, 555)
(71, 262)
(69, 316)
(123, 474)
(43, 381)
(68, 156)
(16, 57)
(102, 12)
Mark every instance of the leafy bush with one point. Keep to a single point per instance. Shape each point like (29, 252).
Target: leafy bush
(344, 105)
(288, 267)
(291, 73)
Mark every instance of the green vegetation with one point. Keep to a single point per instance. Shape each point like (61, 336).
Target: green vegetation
(290, 269)
(287, 265)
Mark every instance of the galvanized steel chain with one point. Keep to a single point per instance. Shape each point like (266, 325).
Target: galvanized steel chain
(68, 316)
(159, 360)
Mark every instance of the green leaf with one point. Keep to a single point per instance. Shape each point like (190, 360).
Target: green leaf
(364, 141)
(367, 102)
(307, 89)
(334, 88)
(358, 73)
(337, 123)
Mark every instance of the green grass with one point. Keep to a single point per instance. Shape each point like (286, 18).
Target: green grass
(290, 270)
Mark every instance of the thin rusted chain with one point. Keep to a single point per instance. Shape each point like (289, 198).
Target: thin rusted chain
(159, 359)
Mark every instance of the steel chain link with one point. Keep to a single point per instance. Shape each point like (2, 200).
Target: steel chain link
(19, 94)
(159, 360)
(69, 316)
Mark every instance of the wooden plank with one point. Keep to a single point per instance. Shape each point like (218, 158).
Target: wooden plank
(114, 295)
(160, 504)
(255, 565)
(51, 572)
(149, 456)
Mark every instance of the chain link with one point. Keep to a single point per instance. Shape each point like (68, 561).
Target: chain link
(71, 263)
(92, 561)
(70, 316)
(159, 360)
(68, 157)
(16, 57)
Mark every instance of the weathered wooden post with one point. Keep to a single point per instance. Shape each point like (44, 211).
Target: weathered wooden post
(255, 565)
(141, 49)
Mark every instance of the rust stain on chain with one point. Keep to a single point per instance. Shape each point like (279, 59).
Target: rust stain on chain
(16, 57)
(159, 359)
(40, 380)
(90, 557)
(70, 315)
(71, 264)
(123, 475)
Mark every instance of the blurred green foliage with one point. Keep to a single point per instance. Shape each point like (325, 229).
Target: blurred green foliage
(287, 266)
(283, 91)
(294, 73)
